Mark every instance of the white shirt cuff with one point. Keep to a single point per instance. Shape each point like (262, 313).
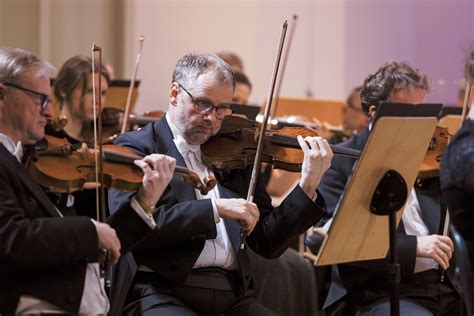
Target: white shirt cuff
(217, 218)
(147, 218)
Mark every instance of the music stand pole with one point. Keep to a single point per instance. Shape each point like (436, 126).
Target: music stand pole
(389, 197)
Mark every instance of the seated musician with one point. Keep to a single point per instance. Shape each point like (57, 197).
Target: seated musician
(354, 120)
(73, 92)
(48, 263)
(422, 250)
(196, 266)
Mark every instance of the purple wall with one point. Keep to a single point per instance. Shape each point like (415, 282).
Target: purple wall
(432, 35)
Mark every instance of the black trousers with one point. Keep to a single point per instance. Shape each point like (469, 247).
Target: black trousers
(423, 289)
(206, 292)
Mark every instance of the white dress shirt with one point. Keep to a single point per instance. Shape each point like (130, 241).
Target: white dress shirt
(415, 226)
(94, 300)
(217, 252)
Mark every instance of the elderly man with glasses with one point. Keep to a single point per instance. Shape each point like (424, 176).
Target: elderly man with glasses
(196, 265)
(49, 262)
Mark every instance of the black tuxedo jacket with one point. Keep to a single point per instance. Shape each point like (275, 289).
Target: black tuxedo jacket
(42, 254)
(369, 277)
(457, 182)
(184, 223)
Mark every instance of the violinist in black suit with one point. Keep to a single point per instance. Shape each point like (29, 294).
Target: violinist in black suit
(49, 262)
(421, 247)
(195, 265)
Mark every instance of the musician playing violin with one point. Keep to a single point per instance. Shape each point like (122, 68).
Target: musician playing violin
(48, 262)
(73, 91)
(421, 247)
(196, 266)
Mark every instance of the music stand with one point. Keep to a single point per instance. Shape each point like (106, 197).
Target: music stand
(118, 93)
(356, 234)
(249, 111)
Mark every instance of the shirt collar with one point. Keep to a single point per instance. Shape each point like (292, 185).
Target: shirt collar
(182, 145)
(15, 150)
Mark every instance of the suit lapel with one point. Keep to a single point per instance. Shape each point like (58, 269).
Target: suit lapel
(29, 182)
(184, 191)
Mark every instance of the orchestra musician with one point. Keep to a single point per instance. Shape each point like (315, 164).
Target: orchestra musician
(354, 120)
(73, 91)
(196, 266)
(421, 248)
(49, 262)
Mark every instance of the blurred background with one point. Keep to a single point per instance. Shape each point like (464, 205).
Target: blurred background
(336, 43)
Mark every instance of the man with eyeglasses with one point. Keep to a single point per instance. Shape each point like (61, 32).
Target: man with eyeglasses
(48, 262)
(196, 265)
(422, 249)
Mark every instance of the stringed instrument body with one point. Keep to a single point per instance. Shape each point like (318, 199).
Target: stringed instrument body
(235, 146)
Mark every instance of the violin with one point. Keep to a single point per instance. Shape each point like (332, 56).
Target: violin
(235, 145)
(63, 167)
(431, 163)
(324, 129)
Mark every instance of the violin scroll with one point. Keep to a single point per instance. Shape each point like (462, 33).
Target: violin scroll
(431, 164)
(58, 123)
(204, 186)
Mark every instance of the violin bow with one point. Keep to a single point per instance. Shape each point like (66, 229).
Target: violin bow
(283, 67)
(258, 154)
(132, 85)
(100, 201)
(99, 171)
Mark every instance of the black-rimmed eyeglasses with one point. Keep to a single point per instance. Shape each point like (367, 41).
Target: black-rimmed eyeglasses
(43, 98)
(205, 107)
